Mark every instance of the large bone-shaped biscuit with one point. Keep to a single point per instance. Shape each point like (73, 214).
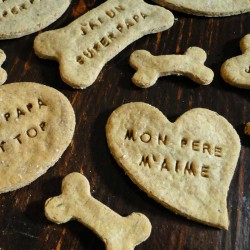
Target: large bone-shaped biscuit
(150, 68)
(236, 70)
(84, 46)
(76, 202)
(3, 74)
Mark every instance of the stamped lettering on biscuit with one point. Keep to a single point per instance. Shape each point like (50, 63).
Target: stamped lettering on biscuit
(3, 74)
(37, 125)
(236, 70)
(23, 17)
(149, 68)
(83, 47)
(76, 202)
(208, 8)
(181, 165)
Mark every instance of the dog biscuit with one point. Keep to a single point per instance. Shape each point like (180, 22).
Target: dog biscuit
(84, 46)
(209, 8)
(149, 68)
(247, 129)
(37, 125)
(182, 165)
(3, 74)
(76, 202)
(236, 71)
(22, 17)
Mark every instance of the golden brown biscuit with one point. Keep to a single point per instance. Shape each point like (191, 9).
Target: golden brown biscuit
(236, 70)
(84, 46)
(149, 68)
(208, 8)
(22, 17)
(37, 125)
(3, 74)
(76, 202)
(186, 166)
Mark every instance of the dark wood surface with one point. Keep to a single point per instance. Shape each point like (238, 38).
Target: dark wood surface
(22, 221)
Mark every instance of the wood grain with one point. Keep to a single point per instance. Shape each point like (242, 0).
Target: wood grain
(23, 224)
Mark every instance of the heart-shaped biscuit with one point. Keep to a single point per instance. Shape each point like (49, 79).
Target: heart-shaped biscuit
(208, 8)
(187, 166)
(37, 124)
(3, 73)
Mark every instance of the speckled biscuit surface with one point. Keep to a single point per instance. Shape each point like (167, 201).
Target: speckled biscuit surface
(3, 74)
(186, 166)
(236, 70)
(247, 128)
(37, 125)
(149, 68)
(84, 46)
(76, 202)
(208, 7)
(23, 17)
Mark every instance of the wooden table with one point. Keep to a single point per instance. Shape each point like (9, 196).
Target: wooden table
(23, 224)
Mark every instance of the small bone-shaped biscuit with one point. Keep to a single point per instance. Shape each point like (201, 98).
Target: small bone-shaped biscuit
(76, 202)
(3, 74)
(236, 70)
(150, 68)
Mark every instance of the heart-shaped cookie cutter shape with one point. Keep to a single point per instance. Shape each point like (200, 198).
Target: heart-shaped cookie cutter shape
(236, 70)
(187, 166)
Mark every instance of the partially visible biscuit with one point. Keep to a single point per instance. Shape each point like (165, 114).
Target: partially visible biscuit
(236, 70)
(76, 202)
(247, 129)
(209, 8)
(21, 17)
(3, 73)
(84, 46)
(37, 125)
(149, 68)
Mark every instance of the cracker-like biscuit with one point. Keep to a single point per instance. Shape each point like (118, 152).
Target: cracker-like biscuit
(22, 17)
(186, 166)
(207, 8)
(3, 74)
(149, 68)
(84, 46)
(236, 70)
(37, 125)
(76, 202)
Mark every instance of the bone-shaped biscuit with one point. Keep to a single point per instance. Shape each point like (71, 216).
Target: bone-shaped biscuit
(3, 74)
(84, 46)
(76, 202)
(150, 68)
(236, 70)
(209, 8)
